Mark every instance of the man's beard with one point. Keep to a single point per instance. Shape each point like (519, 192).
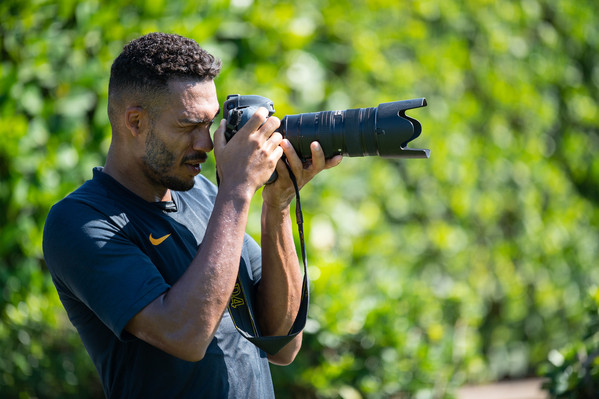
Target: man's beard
(159, 161)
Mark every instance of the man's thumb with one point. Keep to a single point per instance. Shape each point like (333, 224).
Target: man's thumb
(219, 137)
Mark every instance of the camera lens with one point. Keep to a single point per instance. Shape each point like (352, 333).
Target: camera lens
(384, 130)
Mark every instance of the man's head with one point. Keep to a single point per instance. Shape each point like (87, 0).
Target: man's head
(161, 102)
(147, 64)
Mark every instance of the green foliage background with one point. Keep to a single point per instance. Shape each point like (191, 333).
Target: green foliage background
(573, 372)
(426, 274)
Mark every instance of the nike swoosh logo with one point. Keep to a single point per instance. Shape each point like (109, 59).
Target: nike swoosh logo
(158, 241)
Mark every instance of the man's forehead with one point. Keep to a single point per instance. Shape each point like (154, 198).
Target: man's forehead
(194, 96)
(186, 83)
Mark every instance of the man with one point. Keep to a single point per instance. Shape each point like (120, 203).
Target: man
(146, 254)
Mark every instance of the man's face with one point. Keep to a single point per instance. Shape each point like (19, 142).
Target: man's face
(179, 134)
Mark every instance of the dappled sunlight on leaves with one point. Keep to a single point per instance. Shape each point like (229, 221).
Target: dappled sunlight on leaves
(426, 274)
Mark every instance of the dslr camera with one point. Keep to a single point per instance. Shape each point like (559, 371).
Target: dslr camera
(384, 130)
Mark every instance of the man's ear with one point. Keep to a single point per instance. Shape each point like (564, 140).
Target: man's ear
(135, 119)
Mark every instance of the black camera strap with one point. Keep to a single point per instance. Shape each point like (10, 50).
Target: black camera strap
(241, 304)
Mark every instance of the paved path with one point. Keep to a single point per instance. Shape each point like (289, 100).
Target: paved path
(522, 389)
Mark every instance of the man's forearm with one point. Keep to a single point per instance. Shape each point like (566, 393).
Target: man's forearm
(184, 320)
(279, 292)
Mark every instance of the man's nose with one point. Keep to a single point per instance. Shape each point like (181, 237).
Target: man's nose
(202, 140)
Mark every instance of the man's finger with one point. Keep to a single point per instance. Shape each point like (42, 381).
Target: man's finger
(219, 136)
(274, 140)
(332, 162)
(318, 161)
(256, 120)
(294, 161)
(269, 126)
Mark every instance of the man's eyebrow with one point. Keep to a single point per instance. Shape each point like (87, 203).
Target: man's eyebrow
(188, 121)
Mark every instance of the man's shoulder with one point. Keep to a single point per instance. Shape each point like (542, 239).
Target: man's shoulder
(90, 197)
(203, 193)
(93, 208)
(204, 185)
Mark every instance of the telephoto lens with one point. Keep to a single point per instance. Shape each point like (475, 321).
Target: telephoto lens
(384, 131)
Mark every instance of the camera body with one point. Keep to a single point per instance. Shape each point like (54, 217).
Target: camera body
(239, 109)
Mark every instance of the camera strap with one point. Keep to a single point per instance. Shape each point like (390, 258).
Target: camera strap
(241, 304)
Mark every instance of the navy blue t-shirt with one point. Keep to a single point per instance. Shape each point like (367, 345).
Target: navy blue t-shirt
(110, 254)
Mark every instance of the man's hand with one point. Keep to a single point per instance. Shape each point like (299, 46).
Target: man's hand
(279, 194)
(250, 157)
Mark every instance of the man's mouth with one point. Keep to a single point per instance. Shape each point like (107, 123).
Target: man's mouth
(195, 162)
(195, 168)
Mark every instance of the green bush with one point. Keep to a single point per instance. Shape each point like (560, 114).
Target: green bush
(573, 371)
(426, 274)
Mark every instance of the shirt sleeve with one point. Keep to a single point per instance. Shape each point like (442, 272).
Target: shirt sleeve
(253, 253)
(92, 261)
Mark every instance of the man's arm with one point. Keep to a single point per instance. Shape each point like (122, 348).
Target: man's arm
(280, 288)
(183, 320)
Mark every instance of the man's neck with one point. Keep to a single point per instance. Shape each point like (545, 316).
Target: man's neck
(135, 182)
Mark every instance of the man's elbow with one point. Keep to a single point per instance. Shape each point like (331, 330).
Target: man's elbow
(191, 349)
(192, 358)
(189, 354)
(281, 360)
(188, 347)
(287, 354)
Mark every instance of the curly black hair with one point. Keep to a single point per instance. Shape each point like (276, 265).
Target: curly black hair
(152, 60)
(147, 64)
